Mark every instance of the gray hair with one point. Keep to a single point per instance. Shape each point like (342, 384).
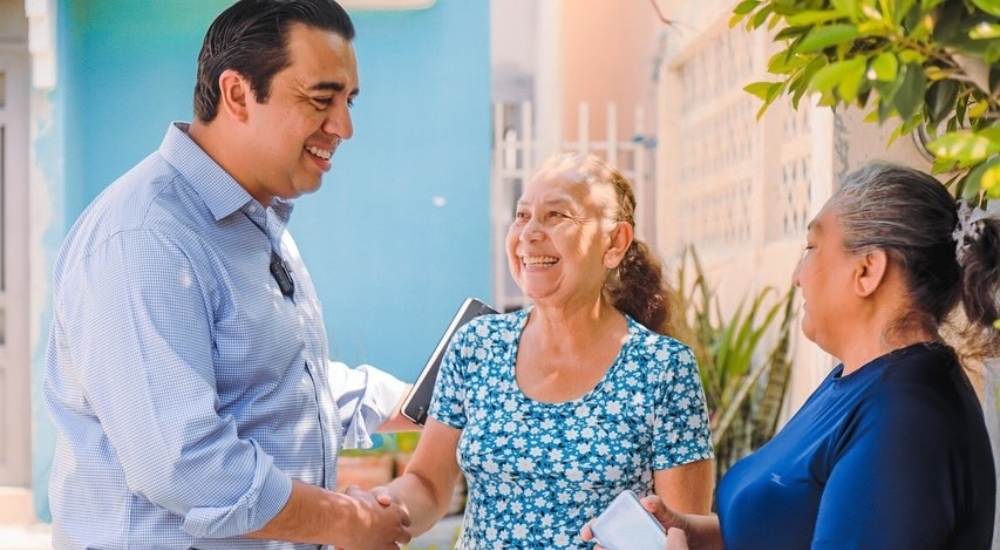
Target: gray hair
(911, 216)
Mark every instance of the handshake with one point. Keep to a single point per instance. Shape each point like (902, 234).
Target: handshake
(627, 524)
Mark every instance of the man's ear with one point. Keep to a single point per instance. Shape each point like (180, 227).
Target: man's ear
(621, 239)
(870, 272)
(234, 94)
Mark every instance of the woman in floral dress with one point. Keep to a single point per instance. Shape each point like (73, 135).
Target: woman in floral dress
(551, 411)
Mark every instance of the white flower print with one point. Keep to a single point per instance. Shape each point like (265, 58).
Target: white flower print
(537, 471)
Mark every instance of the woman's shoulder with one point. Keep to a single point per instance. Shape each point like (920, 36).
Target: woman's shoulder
(932, 366)
(922, 380)
(653, 341)
(659, 350)
(494, 326)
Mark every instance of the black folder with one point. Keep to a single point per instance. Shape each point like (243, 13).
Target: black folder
(419, 399)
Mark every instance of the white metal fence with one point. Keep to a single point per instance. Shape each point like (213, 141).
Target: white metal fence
(517, 153)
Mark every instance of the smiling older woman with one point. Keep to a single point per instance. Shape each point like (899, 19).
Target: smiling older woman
(891, 451)
(553, 410)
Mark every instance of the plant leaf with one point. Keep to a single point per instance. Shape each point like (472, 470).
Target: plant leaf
(813, 17)
(745, 7)
(963, 146)
(991, 7)
(884, 67)
(985, 31)
(910, 95)
(827, 78)
(990, 179)
(851, 80)
(758, 89)
(940, 99)
(823, 37)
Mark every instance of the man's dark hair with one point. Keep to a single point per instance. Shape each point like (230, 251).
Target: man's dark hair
(251, 38)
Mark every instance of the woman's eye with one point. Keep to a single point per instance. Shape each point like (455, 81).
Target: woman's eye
(521, 215)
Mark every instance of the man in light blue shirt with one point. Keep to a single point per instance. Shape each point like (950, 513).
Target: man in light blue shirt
(187, 370)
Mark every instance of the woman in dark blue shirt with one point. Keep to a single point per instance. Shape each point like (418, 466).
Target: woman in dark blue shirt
(891, 451)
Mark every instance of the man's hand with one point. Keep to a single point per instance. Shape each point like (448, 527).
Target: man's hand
(385, 525)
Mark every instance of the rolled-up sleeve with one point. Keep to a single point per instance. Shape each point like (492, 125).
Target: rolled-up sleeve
(366, 397)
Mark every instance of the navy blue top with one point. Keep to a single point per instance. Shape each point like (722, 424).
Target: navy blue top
(893, 455)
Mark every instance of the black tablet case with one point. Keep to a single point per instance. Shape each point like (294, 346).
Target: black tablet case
(419, 399)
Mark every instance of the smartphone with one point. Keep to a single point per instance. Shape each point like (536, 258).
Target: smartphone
(626, 525)
(418, 401)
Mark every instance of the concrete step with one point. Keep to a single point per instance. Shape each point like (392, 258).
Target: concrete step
(16, 506)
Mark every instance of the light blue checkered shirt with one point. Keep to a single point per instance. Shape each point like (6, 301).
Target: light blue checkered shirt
(186, 389)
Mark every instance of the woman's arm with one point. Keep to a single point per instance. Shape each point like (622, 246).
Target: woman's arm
(687, 488)
(702, 531)
(425, 490)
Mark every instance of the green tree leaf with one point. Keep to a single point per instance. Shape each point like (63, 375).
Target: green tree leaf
(884, 67)
(758, 89)
(813, 17)
(746, 6)
(962, 146)
(991, 7)
(827, 78)
(985, 31)
(824, 37)
(852, 79)
(910, 94)
(849, 7)
(990, 179)
(940, 99)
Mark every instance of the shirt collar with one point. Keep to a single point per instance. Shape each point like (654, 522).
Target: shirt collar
(222, 194)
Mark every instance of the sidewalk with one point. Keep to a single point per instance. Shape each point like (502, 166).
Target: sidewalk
(38, 536)
(25, 537)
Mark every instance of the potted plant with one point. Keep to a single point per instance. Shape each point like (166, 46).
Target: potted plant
(367, 468)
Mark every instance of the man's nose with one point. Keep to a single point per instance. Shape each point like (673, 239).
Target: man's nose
(339, 122)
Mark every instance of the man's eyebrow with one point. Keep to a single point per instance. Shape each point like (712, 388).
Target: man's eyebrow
(327, 86)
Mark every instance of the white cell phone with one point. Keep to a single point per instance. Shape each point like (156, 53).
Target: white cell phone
(626, 525)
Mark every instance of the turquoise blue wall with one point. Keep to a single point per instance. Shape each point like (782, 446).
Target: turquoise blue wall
(389, 264)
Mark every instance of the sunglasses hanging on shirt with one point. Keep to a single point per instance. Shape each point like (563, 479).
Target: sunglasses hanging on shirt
(279, 269)
(282, 275)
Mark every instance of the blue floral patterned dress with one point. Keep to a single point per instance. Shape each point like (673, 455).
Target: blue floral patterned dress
(537, 472)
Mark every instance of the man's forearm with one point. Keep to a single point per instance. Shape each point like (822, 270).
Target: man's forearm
(313, 515)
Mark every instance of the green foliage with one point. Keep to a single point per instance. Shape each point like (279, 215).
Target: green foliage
(930, 62)
(744, 392)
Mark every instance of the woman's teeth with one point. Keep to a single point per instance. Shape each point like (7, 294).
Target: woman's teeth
(538, 260)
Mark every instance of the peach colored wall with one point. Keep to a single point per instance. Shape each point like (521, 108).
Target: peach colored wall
(609, 55)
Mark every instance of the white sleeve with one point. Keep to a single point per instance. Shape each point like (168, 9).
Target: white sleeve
(366, 397)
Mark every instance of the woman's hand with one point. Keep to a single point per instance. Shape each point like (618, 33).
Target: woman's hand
(676, 539)
(670, 520)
